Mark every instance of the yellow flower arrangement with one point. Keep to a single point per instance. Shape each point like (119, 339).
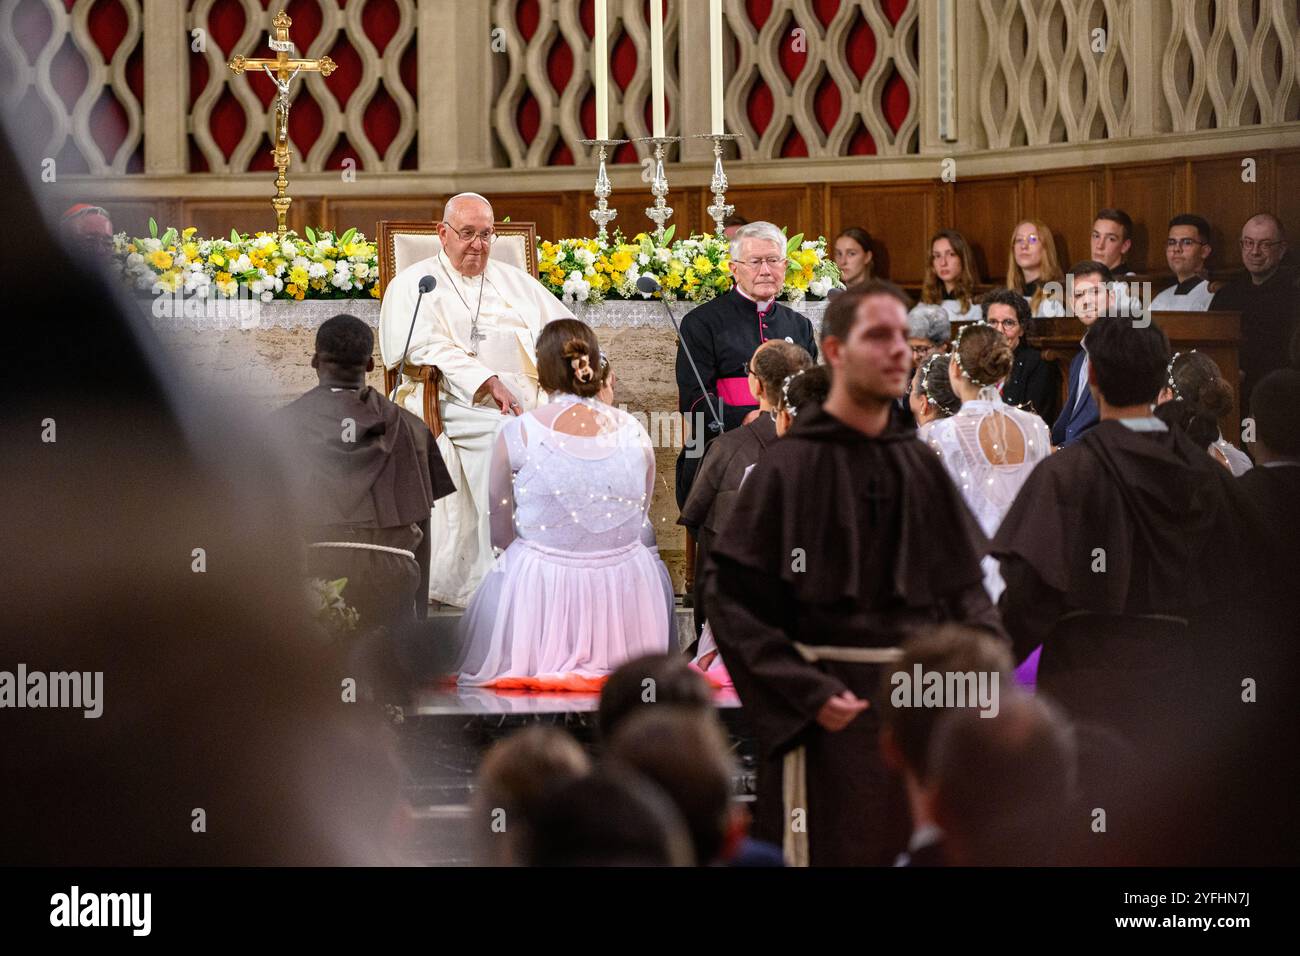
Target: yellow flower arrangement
(317, 266)
(330, 266)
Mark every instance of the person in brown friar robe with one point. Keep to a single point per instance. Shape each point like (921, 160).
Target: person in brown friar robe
(365, 473)
(731, 454)
(847, 537)
(1133, 558)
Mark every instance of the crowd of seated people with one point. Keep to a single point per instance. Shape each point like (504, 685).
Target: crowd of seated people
(1120, 541)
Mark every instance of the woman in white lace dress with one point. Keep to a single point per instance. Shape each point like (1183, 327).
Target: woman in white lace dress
(988, 447)
(578, 589)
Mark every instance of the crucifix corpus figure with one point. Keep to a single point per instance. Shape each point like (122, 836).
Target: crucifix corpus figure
(282, 70)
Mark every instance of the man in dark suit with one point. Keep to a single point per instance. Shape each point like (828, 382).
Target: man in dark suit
(1090, 297)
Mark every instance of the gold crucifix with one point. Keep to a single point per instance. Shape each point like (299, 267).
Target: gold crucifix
(282, 70)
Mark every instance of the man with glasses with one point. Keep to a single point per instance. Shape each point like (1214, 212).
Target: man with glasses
(1186, 250)
(1266, 298)
(478, 326)
(723, 334)
(89, 230)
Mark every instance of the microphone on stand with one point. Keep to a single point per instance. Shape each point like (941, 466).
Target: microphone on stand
(426, 285)
(650, 285)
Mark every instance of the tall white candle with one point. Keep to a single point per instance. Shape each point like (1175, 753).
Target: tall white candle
(715, 64)
(657, 66)
(600, 70)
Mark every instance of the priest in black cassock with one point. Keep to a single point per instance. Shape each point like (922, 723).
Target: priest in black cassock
(366, 474)
(723, 334)
(847, 537)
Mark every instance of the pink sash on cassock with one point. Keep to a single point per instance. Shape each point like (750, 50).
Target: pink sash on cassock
(735, 391)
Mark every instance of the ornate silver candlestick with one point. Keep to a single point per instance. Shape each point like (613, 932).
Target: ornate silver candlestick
(602, 214)
(660, 212)
(720, 209)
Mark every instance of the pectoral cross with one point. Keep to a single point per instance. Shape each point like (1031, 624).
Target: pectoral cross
(282, 71)
(475, 337)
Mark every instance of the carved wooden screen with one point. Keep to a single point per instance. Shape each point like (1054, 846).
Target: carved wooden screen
(73, 76)
(365, 112)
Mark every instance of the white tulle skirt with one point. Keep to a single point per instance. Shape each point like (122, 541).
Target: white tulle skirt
(544, 619)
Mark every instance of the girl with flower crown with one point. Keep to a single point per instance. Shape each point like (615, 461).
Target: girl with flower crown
(988, 447)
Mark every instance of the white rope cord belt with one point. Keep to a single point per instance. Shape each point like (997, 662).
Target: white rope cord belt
(794, 769)
(362, 546)
(848, 655)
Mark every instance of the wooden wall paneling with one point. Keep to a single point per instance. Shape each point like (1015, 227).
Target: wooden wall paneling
(1218, 194)
(900, 218)
(1151, 193)
(549, 210)
(986, 210)
(363, 213)
(1068, 202)
(1284, 176)
(132, 215)
(790, 206)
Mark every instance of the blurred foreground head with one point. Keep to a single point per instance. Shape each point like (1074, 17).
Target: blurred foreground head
(144, 541)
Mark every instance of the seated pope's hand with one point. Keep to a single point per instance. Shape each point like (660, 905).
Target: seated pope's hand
(504, 398)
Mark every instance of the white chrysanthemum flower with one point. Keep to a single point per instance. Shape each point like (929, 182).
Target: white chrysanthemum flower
(288, 249)
(664, 255)
(584, 256)
(242, 264)
(819, 287)
(808, 245)
(643, 259)
(267, 296)
(361, 270)
(316, 270)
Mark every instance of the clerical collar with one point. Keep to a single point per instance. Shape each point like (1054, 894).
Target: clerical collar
(764, 306)
(1183, 288)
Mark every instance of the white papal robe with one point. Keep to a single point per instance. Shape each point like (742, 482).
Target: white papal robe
(514, 308)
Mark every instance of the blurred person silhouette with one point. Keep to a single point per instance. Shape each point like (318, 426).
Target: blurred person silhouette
(612, 817)
(146, 540)
(515, 777)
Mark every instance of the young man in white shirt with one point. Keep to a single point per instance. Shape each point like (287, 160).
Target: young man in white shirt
(1186, 251)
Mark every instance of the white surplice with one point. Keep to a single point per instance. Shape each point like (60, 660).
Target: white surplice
(513, 310)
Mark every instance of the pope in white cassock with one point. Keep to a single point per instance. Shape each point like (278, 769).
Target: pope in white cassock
(479, 326)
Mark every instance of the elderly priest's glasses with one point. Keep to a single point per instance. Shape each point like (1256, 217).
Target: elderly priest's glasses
(467, 235)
